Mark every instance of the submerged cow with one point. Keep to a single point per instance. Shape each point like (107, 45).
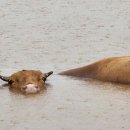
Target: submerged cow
(28, 81)
(114, 69)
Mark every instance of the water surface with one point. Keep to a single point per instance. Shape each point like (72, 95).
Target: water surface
(58, 35)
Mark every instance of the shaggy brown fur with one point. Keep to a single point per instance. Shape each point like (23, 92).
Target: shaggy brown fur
(114, 69)
(22, 78)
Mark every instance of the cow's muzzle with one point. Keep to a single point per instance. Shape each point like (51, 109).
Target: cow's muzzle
(30, 88)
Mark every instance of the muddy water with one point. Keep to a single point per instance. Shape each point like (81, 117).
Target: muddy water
(59, 35)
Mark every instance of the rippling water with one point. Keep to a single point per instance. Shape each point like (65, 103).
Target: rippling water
(58, 35)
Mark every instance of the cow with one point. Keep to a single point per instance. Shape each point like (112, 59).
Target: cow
(113, 69)
(27, 81)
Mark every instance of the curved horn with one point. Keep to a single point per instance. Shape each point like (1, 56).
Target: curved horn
(5, 78)
(48, 74)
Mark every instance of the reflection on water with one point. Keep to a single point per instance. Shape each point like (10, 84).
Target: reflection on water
(65, 103)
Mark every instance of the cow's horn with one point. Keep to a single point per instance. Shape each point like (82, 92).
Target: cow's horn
(48, 74)
(5, 78)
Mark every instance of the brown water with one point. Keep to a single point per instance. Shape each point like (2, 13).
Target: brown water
(58, 35)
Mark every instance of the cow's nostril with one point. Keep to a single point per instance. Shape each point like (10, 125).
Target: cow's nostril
(36, 86)
(24, 87)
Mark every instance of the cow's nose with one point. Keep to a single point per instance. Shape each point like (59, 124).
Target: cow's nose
(31, 88)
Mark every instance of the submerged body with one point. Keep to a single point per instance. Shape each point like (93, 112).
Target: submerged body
(114, 69)
(27, 81)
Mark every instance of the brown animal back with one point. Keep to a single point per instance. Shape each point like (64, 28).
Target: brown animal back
(115, 69)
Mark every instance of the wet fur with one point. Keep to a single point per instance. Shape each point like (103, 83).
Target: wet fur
(24, 77)
(114, 69)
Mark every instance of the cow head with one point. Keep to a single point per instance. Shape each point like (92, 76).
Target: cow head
(28, 81)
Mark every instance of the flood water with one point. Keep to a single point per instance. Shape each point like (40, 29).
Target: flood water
(59, 35)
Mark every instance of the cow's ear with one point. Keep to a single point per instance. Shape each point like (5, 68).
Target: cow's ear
(46, 75)
(23, 70)
(4, 78)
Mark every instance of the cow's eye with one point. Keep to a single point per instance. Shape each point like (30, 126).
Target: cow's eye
(44, 79)
(11, 81)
